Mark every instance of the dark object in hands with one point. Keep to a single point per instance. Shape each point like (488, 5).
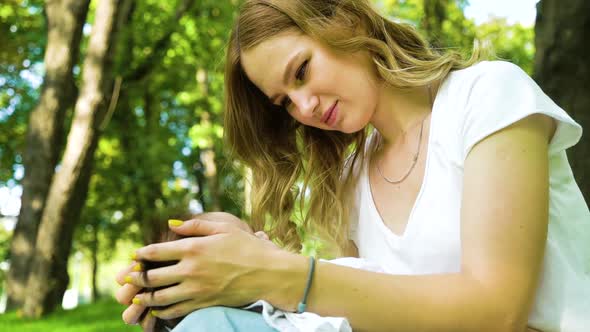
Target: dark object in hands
(161, 234)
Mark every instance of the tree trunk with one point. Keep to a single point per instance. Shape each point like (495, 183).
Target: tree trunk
(563, 71)
(65, 20)
(212, 178)
(48, 278)
(199, 172)
(208, 154)
(95, 247)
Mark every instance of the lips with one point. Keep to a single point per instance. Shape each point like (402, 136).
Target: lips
(328, 113)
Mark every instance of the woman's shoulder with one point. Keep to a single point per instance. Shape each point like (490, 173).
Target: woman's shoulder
(489, 81)
(485, 72)
(492, 95)
(490, 67)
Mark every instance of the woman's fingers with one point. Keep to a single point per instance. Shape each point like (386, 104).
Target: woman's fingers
(162, 276)
(203, 227)
(132, 313)
(126, 293)
(165, 251)
(228, 218)
(163, 297)
(180, 309)
(134, 266)
(148, 324)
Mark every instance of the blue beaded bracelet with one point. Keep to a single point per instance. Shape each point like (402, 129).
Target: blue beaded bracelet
(303, 304)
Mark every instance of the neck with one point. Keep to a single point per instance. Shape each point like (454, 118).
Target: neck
(401, 111)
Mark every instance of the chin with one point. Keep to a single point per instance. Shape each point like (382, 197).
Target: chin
(347, 130)
(350, 130)
(353, 128)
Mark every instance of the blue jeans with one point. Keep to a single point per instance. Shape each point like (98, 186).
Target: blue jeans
(223, 319)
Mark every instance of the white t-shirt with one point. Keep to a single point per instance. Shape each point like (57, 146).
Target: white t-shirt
(471, 104)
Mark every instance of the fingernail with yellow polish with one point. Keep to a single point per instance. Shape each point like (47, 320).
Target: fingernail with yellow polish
(137, 267)
(154, 312)
(128, 279)
(175, 222)
(133, 256)
(136, 301)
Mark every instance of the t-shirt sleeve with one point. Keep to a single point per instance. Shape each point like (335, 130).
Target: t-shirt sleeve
(502, 94)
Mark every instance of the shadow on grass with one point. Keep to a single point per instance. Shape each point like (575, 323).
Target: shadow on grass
(104, 315)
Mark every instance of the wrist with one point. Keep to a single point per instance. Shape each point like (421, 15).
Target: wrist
(287, 280)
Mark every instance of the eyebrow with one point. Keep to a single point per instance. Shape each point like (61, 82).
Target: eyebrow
(286, 75)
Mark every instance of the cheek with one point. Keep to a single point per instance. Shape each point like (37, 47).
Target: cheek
(363, 110)
(371, 97)
(365, 99)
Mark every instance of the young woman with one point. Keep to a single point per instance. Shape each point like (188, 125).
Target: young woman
(449, 173)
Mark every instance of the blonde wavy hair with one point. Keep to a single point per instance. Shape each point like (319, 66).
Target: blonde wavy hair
(296, 164)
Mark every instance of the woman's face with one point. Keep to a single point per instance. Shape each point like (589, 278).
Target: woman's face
(317, 86)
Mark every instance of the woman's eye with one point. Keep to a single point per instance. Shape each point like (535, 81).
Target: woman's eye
(300, 75)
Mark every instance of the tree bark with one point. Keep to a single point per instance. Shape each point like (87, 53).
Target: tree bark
(563, 72)
(48, 278)
(207, 154)
(212, 178)
(95, 247)
(65, 20)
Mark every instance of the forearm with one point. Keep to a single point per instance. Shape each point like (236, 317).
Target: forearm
(383, 302)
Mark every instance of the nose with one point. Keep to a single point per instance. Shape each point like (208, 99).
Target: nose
(305, 102)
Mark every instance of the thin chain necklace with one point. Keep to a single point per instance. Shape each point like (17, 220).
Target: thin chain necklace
(415, 159)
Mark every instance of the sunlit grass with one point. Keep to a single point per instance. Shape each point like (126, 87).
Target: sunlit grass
(105, 315)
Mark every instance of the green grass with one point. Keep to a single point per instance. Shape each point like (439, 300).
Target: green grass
(105, 315)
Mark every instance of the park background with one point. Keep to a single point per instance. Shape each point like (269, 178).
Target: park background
(111, 122)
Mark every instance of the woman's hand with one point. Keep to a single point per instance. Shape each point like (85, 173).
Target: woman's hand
(214, 269)
(126, 293)
(224, 217)
(224, 267)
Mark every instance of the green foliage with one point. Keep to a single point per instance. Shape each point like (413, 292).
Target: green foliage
(4, 243)
(409, 11)
(148, 165)
(104, 315)
(4, 246)
(458, 31)
(510, 42)
(513, 43)
(23, 40)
